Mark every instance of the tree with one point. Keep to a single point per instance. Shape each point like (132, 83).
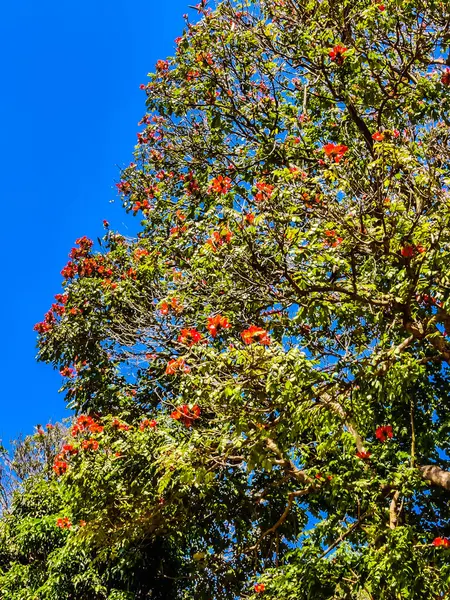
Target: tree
(261, 377)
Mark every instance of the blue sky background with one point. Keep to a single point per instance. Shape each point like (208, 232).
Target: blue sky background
(69, 106)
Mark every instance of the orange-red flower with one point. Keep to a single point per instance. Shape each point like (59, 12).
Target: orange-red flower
(60, 467)
(255, 333)
(445, 77)
(69, 449)
(384, 432)
(162, 66)
(221, 184)
(173, 304)
(176, 365)
(440, 541)
(186, 415)
(147, 423)
(265, 191)
(337, 54)
(378, 136)
(120, 426)
(90, 444)
(218, 238)
(334, 151)
(363, 455)
(215, 324)
(64, 523)
(334, 240)
(259, 587)
(189, 337)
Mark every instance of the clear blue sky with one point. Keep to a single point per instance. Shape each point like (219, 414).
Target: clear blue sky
(69, 105)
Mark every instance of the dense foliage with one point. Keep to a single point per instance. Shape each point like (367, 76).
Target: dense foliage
(261, 379)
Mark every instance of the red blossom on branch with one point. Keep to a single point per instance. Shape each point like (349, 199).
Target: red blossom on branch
(441, 541)
(63, 523)
(176, 365)
(189, 337)
(337, 54)
(215, 324)
(334, 151)
(255, 334)
(221, 184)
(186, 415)
(384, 432)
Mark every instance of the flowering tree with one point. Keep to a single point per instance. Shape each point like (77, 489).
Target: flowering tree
(261, 377)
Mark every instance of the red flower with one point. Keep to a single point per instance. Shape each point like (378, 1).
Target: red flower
(440, 541)
(42, 327)
(67, 372)
(377, 136)
(218, 238)
(69, 271)
(363, 455)
(90, 444)
(334, 240)
(381, 7)
(383, 433)
(172, 304)
(147, 423)
(186, 415)
(216, 323)
(265, 191)
(337, 54)
(259, 587)
(64, 523)
(445, 78)
(189, 337)
(335, 151)
(60, 467)
(175, 365)
(254, 333)
(69, 449)
(408, 251)
(120, 426)
(162, 66)
(221, 184)
(205, 58)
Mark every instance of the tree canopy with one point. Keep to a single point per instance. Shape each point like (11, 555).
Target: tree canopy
(261, 377)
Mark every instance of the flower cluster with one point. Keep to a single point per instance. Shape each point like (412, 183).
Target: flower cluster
(259, 587)
(216, 324)
(255, 334)
(265, 191)
(90, 444)
(445, 77)
(63, 523)
(176, 365)
(189, 337)
(384, 432)
(333, 238)
(411, 250)
(221, 184)
(116, 424)
(441, 541)
(86, 423)
(334, 151)
(173, 304)
(186, 415)
(218, 238)
(337, 54)
(151, 423)
(363, 455)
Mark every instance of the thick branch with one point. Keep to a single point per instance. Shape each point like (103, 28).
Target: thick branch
(436, 476)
